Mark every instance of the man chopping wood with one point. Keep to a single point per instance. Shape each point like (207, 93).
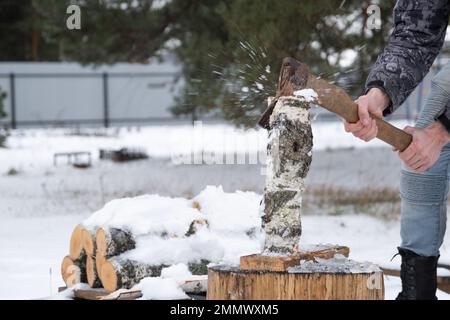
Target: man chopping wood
(418, 36)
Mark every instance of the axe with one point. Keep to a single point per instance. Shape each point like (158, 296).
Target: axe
(296, 76)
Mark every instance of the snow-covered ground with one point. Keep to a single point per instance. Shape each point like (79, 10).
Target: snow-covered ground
(41, 204)
(32, 150)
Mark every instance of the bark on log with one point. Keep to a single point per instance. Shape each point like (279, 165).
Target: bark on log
(118, 273)
(91, 272)
(289, 159)
(73, 272)
(195, 226)
(88, 240)
(76, 250)
(113, 242)
(226, 283)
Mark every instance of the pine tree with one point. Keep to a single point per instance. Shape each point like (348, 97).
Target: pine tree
(230, 50)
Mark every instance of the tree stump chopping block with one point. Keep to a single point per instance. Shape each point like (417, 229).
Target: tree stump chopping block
(227, 283)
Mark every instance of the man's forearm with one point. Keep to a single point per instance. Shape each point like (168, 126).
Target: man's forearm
(417, 38)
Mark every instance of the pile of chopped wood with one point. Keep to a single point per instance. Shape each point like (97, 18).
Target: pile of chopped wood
(95, 258)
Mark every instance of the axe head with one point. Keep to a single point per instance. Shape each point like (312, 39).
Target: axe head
(293, 77)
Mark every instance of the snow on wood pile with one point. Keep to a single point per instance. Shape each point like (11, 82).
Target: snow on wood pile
(170, 240)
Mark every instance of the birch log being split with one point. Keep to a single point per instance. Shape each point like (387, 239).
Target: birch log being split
(289, 159)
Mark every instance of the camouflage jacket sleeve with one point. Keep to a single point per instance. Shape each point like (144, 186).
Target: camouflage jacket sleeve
(419, 33)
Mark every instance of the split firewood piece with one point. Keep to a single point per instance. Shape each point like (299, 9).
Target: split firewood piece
(91, 272)
(76, 250)
(289, 159)
(99, 261)
(113, 242)
(88, 240)
(73, 272)
(118, 273)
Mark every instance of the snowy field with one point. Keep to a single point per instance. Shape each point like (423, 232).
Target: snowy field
(40, 204)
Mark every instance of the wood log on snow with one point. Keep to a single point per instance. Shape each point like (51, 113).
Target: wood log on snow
(289, 159)
(113, 242)
(92, 276)
(118, 273)
(73, 272)
(76, 250)
(88, 240)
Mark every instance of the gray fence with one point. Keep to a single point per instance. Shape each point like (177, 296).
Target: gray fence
(37, 96)
(104, 98)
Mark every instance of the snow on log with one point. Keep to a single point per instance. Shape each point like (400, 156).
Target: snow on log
(144, 215)
(76, 249)
(113, 242)
(88, 240)
(73, 272)
(91, 273)
(236, 213)
(289, 159)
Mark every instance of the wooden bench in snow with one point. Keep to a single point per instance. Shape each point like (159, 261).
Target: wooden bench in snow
(74, 158)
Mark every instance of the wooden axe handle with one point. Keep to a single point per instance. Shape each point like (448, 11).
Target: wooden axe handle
(336, 100)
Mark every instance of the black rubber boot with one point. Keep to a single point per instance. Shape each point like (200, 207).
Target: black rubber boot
(419, 276)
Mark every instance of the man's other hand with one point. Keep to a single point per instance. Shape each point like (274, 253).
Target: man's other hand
(426, 146)
(374, 102)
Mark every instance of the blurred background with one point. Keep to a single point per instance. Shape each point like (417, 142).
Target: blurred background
(143, 62)
(101, 100)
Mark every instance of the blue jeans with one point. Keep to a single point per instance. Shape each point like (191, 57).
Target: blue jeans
(424, 196)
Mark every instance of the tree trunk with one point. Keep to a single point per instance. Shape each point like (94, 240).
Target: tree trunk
(113, 242)
(73, 272)
(91, 272)
(76, 250)
(289, 159)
